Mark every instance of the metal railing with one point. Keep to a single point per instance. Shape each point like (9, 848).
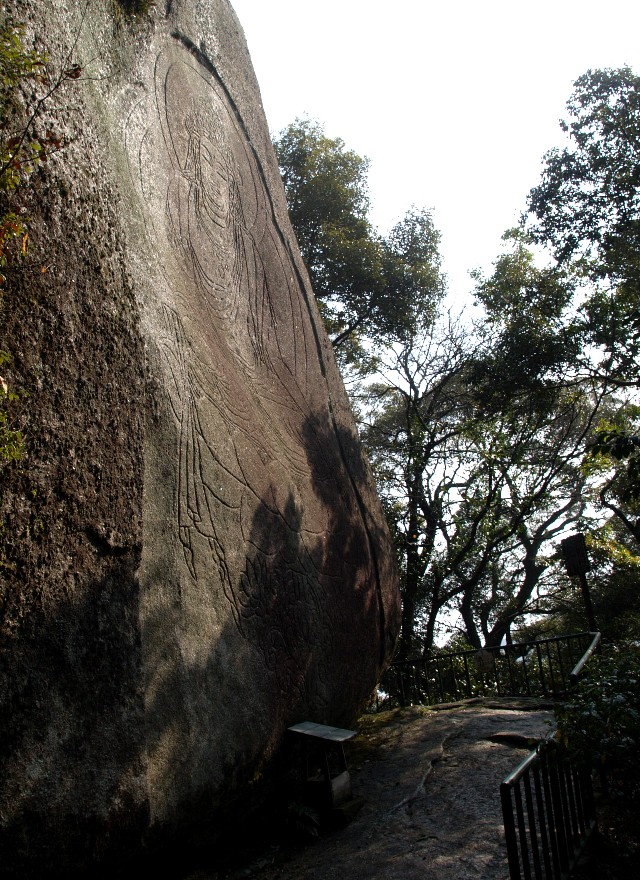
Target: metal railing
(537, 668)
(548, 807)
(549, 814)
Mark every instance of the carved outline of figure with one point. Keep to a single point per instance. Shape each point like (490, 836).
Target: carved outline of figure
(204, 206)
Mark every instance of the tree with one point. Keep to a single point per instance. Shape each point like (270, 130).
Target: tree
(586, 210)
(587, 205)
(475, 496)
(613, 460)
(527, 489)
(477, 434)
(537, 402)
(412, 413)
(532, 347)
(367, 287)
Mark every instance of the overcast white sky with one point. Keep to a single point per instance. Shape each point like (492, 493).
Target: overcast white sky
(453, 102)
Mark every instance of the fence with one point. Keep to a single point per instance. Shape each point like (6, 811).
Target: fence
(547, 802)
(548, 807)
(535, 668)
(549, 813)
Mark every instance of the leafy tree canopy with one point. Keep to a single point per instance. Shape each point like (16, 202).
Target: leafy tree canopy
(477, 433)
(586, 210)
(531, 344)
(587, 204)
(368, 287)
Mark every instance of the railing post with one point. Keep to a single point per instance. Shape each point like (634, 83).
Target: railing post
(533, 835)
(543, 820)
(427, 671)
(548, 836)
(541, 669)
(440, 684)
(526, 672)
(454, 678)
(467, 676)
(513, 854)
(509, 667)
(553, 819)
(559, 811)
(403, 699)
(551, 675)
(574, 675)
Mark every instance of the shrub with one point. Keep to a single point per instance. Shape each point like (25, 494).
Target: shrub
(600, 723)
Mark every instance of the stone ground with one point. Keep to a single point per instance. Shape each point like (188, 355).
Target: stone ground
(430, 783)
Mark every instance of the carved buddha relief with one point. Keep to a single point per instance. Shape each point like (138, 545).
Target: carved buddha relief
(245, 392)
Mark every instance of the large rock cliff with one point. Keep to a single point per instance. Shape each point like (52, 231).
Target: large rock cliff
(193, 554)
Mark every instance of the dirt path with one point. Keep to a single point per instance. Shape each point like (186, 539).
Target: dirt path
(430, 781)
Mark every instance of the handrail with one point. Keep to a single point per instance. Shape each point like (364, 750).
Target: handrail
(549, 814)
(524, 766)
(544, 667)
(548, 808)
(575, 673)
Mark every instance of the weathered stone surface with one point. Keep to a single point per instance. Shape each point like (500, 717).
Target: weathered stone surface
(193, 554)
(430, 782)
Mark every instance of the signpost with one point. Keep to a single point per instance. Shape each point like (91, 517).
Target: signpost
(574, 551)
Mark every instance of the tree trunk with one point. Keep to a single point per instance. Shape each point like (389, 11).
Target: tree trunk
(466, 612)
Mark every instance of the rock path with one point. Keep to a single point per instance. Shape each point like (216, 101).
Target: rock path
(432, 805)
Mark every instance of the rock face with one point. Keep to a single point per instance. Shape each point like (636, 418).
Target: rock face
(193, 555)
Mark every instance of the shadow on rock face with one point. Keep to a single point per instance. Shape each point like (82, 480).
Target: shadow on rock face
(72, 731)
(195, 556)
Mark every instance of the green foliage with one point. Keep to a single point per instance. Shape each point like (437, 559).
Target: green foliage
(11, 439)
(587, 205)
(586, 209)
(22, 150)
(326, 184)
(16, 63)
(18, 153)
(600, 724)
(13, 240)
(414, 281)
(367, 287)
(18, 156)
(614, 442)
(531, 343)
(612, 462)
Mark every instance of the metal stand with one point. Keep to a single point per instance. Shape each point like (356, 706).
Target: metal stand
(327, 777)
